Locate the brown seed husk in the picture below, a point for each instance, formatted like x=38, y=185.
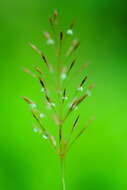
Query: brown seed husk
x=47, y=35
x=26, y=70
x=83, y=81
x=42, y=83
x=35, y=48
x=71, y=66
x=61, y=35
x=75, y=122
x=38, y=70
x=27, y=100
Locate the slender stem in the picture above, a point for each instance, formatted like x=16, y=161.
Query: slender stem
x=63, y=174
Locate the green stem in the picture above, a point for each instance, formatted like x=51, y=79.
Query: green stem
x=63, y=174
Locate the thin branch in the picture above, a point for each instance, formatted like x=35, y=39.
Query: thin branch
x=79, y=134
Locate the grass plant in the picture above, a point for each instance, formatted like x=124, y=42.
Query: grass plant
x=63, y=70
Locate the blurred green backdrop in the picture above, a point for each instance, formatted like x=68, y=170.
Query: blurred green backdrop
x=99, y=159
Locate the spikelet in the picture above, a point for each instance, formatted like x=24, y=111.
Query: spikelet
x=38, y=120
x=75, y=123
x=27, y=100
x=39, y=71
x=73, y=47
x=71, y=66
x=64, y=97
x=42, y=83
x=71, y=26
x=83, y=81
x=55, y=15
x=61, y=35
x=77, y=101
x=35, y=48
x=47, y=35
x=44, y=58
x=26, y=70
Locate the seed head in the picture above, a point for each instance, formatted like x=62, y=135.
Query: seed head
x=59, y=86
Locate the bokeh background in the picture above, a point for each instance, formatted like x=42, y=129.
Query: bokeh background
x=99, y=159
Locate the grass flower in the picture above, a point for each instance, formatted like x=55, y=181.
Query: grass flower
x=70, y=32
x=62, y=71
x=35, y=129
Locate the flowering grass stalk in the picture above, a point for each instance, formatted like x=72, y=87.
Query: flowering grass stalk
x=62, y=72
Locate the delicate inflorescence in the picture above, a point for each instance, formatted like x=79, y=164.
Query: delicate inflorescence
x=62, y=70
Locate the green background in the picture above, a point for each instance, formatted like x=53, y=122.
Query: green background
x=99, y=159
